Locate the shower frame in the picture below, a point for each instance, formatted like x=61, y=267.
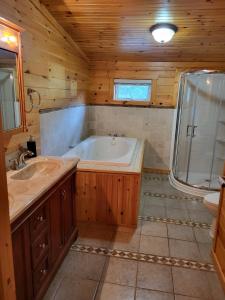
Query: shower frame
x=178, y=128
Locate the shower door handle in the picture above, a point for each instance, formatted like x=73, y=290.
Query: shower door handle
x=193, y=130
x=187, y=132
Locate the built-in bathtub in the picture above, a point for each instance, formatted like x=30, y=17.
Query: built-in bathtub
x=104, y=150
x=108, y=179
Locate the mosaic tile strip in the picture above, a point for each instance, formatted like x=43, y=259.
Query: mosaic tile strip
x=169, y=196
x=149, y=258
x=156, y=177
x=189, y=223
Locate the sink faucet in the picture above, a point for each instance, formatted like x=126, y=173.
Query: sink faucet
x=19, y=162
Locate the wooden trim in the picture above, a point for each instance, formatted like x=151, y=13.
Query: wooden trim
x=218, y=269
x=19, y=63
x=7, y=281
x=156, y=171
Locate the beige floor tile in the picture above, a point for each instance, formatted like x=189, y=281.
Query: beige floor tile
x=143, y=294
x=76, y=288
x=154, y=229
x=216, y=287
x=50, y=294
x=195, y=205
x=200, y=216
x=153, y=210
x=176, y=203
x=180, y=232
x=184, y=249
x=205, y=252
x=191, y=283
x=108, y=291
x=154, y=245
x=83, y=265
x=202, y=235
x=180, y=297
x=156, y=201
x=120, y=271
x=175, y=213
x=126, y=241
x=154, y=277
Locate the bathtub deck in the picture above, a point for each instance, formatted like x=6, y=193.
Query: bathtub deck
x=134, y=167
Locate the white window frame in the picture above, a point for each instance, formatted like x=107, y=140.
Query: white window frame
x=133, y=82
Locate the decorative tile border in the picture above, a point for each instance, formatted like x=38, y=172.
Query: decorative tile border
x=189, y=223
x=149, y=258
x=169, y=196
x=155, y=177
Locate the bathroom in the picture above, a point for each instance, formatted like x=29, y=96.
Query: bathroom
x=112, y=142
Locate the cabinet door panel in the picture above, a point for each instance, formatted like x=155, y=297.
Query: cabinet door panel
x=22, y=263
x=56, y=227
x=67, y=196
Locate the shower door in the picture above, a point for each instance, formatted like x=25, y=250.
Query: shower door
x=199, y=151
x=186, y=112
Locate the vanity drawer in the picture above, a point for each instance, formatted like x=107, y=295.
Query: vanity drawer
x=40, y=274
x=39, y=221
x=40, y=248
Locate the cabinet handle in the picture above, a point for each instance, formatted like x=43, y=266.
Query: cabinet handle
x=63, y=194
x=43, y=271
x=40, y=218
x=43, y=245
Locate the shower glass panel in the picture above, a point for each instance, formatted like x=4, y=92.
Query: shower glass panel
x=200, y=137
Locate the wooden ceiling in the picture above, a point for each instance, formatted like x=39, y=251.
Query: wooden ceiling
x=113, y=29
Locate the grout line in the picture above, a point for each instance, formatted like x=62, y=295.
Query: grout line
x=150, y=258
x=189, y=223
x=100, y=280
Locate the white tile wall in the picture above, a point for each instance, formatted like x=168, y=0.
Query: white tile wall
x=152, y=124
x=62, y=128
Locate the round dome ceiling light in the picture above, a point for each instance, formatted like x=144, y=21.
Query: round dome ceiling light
x=163, y=32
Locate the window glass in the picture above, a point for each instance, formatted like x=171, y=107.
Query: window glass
x=132, y=90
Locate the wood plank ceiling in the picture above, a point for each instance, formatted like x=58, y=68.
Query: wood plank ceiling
x=113, y=29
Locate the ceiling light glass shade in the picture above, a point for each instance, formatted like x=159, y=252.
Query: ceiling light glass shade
x=163, y=33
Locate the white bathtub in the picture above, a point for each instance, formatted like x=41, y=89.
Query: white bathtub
x=104, y=150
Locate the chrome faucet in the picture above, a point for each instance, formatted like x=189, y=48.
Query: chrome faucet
x=19, y=162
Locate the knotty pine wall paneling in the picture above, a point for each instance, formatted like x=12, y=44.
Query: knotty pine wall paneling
x=52, y=62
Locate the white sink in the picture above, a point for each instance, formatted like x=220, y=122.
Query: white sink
x=37, y=169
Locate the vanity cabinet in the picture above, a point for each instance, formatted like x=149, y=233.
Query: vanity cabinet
x=41, y=237
x=219, y=241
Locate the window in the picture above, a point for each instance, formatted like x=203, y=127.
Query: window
x=132, y=90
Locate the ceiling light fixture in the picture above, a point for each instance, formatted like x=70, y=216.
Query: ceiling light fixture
x=163, y=32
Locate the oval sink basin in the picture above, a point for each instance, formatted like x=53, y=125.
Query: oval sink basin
x=37, y=169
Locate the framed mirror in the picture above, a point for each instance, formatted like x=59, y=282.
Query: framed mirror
x=12, y=100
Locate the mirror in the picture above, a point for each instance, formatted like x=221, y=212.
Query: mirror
x=9, y=96
x=11, y=78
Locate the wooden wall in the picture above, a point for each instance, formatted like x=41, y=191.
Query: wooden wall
x=166, y=75
x=52, y=63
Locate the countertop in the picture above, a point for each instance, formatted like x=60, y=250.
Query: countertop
x=23, y=193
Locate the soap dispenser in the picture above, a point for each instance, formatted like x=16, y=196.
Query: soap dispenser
x=31, y=146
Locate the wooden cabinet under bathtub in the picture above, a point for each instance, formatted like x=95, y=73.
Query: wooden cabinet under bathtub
x=41, y=237
x=110, y=198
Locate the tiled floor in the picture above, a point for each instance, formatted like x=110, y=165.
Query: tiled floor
x=166, y=258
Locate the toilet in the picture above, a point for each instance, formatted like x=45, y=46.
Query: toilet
x=211, y=201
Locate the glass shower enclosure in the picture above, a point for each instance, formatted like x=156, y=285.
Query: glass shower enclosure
x=199, y=152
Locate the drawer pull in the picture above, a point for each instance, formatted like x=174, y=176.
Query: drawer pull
x=44, y=271
x=40, y=218
x=63, y=194
x=43, y=245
